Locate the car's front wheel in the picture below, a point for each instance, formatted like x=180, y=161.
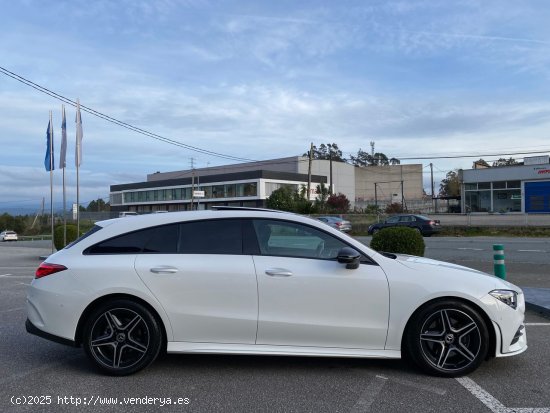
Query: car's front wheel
x=122, y=337
x=447, y=338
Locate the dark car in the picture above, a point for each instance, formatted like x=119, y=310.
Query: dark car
x=424, y=225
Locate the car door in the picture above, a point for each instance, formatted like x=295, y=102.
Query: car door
x=204, y=282
x=307, y=298
x=391, y=222
x=406, y=221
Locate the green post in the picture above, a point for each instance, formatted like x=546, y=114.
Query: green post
x=498, y=256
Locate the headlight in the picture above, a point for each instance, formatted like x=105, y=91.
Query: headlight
x=508, y=297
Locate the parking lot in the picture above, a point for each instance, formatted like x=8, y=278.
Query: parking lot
x=39, y=375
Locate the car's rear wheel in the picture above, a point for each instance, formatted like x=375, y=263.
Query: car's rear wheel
x=419, y=230
x=447, y=338
x=375, y=230
x=122, y=337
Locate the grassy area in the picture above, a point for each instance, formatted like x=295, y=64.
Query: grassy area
x=449, y=231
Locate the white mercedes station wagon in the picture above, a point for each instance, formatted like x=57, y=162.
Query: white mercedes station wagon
x=248, y=281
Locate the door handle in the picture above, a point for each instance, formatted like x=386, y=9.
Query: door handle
x=164, y=270
x=278, y=272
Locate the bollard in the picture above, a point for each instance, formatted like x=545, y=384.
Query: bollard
x=500, y=267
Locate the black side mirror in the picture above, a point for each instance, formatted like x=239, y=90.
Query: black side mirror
x=350, y=257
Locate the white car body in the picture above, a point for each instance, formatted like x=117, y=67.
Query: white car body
x=8, y=236
x=229, y=304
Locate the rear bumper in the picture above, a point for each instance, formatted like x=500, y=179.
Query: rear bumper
x=32, y=329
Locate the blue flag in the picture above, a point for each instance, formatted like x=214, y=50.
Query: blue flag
x=48, y=160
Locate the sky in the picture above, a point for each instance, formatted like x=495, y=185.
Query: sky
x=262, y=79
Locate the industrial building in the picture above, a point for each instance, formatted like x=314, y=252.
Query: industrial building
x=250, y=184
x=523, y=188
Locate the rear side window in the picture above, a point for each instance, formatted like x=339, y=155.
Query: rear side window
x=222, y=236
x=94, y=229
x=197, y=237
x=155, y=240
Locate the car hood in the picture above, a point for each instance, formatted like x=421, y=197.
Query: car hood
x=419, y=263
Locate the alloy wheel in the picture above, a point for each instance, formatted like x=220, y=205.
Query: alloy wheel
x=119, y=338
x=450, y=340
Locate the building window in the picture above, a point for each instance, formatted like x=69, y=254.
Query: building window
x=469, y=187
x=484, y=185
x=478, y=201
x=499, y=185
x=230, y=190
x=250, y=189
x=507, y=200
x=116, y=199
x=513, y=184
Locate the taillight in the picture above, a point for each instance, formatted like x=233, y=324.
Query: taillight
x=47, y=269
x=338, y=224
x=431, y=223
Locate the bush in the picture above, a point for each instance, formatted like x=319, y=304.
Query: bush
x=395, y=208
x=399, y=241
x=338, y=203
x=58, y=235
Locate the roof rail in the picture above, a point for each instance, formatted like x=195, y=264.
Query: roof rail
x=238, y=208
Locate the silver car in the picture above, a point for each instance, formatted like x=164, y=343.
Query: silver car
x=336, y=222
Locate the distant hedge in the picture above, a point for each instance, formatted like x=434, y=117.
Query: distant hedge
x=58, y=236
x=399, y=241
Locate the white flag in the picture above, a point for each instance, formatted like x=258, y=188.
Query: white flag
x=78, y=149
x=63, y=153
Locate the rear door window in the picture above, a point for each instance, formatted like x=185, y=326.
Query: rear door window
x=220, y=236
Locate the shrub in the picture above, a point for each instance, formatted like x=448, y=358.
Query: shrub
x=338, y=203
x=395, y=208
x=399, y=241
x=58, y=235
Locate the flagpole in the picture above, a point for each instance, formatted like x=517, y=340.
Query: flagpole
x=63, y=164
x=77, y=169
x=51, y=176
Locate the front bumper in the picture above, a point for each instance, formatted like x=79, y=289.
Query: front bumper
x=509, y=327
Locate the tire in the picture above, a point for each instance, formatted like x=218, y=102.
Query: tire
x=447, y=338
x=419, y=230
x=375, y=230
x=122, y=337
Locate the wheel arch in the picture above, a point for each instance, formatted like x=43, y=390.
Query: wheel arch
x=100, y=300
x=482, y=313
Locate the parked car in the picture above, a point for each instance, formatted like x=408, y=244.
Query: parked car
x=424, y=225
x=8, y=236
x=336, y=222
x=243, y=281
x=127, y=214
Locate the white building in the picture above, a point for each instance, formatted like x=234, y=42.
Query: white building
x=250, y=184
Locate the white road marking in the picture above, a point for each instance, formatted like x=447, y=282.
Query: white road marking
x=492, y=403
x=537, y=324
x=4, y=275
x=366, y=399
x=471, y=249
x=12, y=309
x=531, y=251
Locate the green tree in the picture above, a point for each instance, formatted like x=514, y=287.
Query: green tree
x=366, y=159
x=98, y=205
x=282, y=199
x=322, y=196
x=326, y=152
x=505, y=162
x=450, y=186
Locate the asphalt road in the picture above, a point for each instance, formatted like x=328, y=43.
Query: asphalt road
x=32, y=366
x=527, y=259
